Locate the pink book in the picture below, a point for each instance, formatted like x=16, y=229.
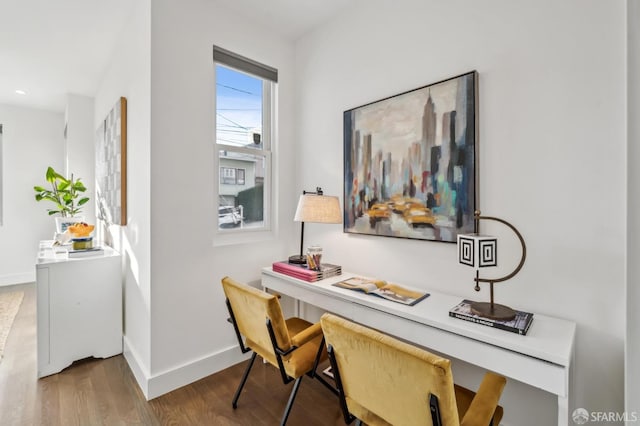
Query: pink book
x=298, y=271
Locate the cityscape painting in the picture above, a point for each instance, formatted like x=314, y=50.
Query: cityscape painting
x=410, y=163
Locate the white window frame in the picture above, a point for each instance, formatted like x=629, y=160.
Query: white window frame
x=227, y=236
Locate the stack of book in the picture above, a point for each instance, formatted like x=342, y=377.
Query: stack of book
x=520, y=324
x=304, y=273
x=87, y=252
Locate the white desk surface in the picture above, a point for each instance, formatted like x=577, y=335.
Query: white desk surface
x=543, y=358
x=549, y=339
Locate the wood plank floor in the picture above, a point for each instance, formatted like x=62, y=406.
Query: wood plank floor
x=104, y=392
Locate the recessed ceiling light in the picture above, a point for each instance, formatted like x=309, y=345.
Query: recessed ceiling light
x=20, y=92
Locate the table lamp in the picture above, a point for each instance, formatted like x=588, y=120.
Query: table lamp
x=481, y=251
x=318, y=208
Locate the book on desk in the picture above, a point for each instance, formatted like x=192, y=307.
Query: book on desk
x=520, y=324
x=303, y=272
x=88, y=252
x=383, y=289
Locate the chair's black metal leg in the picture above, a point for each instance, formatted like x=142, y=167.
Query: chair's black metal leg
x=234, y=404
x=434, y=407
x=317, y=360
x=348, y=417
x=358, y=422
x=315, y=375
x=326, y=384
x=294, y=391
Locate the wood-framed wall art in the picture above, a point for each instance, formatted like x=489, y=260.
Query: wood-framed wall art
x=410, y=162
x=111, y=165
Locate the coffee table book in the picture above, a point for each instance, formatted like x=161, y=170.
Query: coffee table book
x=520, y=324
x=380, y=288
x=88, y=252
x=304, y=273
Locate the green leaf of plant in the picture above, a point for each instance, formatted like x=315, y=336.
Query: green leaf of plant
x=51, y=174
x=60, y=177
x=63, y=193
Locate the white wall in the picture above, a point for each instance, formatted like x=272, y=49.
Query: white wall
x=632, y=354
x=129, y=75
x=33, y=140
x=552, y=158
x=190, y=337
x=80, y=148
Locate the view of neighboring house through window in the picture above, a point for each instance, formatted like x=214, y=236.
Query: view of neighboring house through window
x=244, y=113
x=231, y=176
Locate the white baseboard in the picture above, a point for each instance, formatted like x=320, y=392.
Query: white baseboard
x=12, y=279
x=155, y=385
x=138, y=368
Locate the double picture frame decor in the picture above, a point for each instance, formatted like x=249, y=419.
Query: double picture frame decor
x=410, y=162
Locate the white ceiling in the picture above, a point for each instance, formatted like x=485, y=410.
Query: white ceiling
x=291, y=18
x=49, y=48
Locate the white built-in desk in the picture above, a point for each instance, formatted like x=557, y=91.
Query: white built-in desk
x=543, y=358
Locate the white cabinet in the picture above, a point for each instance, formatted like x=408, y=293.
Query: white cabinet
x=79, y=308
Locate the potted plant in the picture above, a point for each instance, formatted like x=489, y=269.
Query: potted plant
x=64, y=194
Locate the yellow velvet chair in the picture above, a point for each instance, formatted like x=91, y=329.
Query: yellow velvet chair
x=384, y=381
x=294, y=346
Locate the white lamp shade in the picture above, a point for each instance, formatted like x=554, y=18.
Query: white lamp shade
x=318, y=209
x=477, y=251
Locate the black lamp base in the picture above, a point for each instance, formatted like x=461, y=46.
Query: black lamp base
x=298, y=260
x=493, y=311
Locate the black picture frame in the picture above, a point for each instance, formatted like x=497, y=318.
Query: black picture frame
x=410, y=162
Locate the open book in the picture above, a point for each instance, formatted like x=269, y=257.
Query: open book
x=383, y=289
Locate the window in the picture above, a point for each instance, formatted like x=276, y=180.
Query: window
x=227, y=176
x=231, y=176
x=244, y=96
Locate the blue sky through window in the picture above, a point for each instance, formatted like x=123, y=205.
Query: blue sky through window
x=239, y=106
